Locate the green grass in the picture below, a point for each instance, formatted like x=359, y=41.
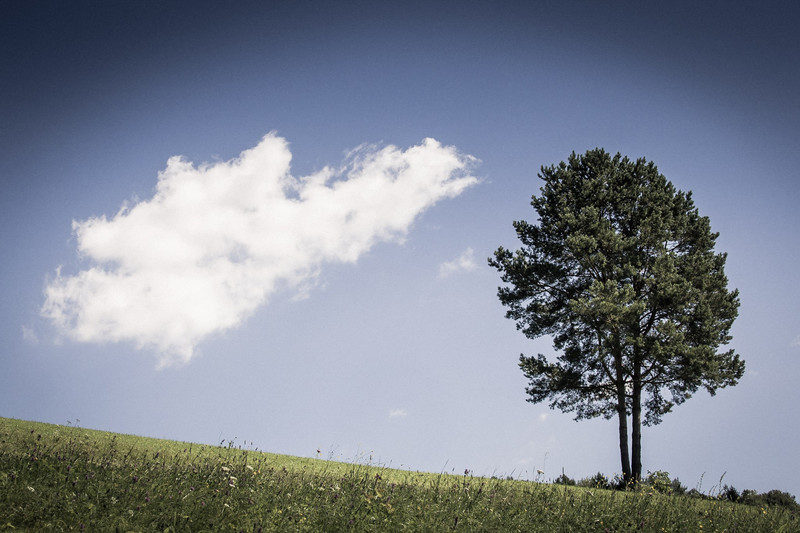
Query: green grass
x=57, y=478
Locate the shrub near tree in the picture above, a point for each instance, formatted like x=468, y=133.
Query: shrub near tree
x=620, y=270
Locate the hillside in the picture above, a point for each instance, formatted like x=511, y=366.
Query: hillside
x=64, y=478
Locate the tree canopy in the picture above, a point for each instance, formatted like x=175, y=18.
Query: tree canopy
x=620, y=270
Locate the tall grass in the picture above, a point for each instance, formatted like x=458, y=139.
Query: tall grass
x=56, y=478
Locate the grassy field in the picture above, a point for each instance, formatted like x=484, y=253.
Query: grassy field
x=57, y=478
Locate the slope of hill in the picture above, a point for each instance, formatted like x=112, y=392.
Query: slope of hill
x=65, y=478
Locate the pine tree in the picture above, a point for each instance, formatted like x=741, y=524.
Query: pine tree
x=621, y=271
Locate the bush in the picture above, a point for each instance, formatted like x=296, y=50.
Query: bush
x=731, y=494
x=694, y=493
x=783, y=499
x=564, y=479
x=659, y=481
x=774, y=497
x=598, y=481
x=750, y=497
x=618, y=483
x=678, y=487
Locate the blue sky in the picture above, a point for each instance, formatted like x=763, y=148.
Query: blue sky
x=377, y=334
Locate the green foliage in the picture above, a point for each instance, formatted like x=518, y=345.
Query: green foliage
x=621, y=271
x=564, y=479
x=730, y=494
x=676, y=487
x=598, y=481
x=55, y=478
x=659, y=481
x=784, y=499
x=774, y=497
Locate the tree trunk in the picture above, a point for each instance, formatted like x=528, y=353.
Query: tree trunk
x=622, y=414
x=636, y=425
x=623, y=442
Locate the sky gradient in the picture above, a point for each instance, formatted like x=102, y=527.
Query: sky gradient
x=390, y=148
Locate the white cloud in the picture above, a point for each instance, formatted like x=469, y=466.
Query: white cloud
x=796, y=342
x=398, y=412
x=465, y=261
x=216, y=240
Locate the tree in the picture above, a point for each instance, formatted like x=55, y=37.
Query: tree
x=621, y=272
